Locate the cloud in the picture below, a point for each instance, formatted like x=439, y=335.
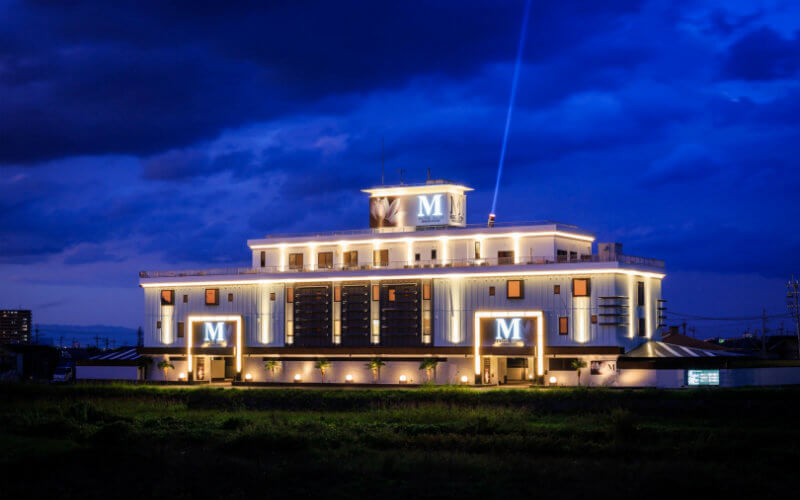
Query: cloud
x=688, y=163
x=762, y=54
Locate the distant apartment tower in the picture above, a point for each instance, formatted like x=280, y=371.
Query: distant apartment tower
x=15, y=326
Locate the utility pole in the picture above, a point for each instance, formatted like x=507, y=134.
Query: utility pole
x=97, y=341
x=793, y=303
x=763, y=333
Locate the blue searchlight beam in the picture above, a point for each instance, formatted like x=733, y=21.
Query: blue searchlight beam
x=511, y=104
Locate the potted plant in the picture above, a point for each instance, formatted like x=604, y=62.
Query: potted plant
x=429, y=365
x=272, y=366
x=578, y=365
x=374, y=365
x=322, y=365
x=164, y=366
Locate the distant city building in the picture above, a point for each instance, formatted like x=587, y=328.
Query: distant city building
x=15, y=326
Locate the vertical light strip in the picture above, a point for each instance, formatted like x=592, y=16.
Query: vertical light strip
x=539, y=315
x=312, y=262
x=166, y=325
x=409, y=252
x=648, y=307
x=632, y=305
x=515, y=237
x=284, y=259
x=580, y=312
x=265, y=316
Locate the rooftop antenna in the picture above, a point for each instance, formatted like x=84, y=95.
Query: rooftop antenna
x=510, y=109
x=401, y=175
x=383, y=170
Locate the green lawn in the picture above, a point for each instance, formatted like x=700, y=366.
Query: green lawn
x=146, y=442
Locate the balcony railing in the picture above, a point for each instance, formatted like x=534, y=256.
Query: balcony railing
x=422, y=264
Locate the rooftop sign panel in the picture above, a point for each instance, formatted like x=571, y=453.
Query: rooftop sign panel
x=430, y=204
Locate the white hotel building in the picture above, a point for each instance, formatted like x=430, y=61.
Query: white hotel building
x=502, y=304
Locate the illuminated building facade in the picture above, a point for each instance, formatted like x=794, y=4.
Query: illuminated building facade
x=15, y=326
x=501, y=304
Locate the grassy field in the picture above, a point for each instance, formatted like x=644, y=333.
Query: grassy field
x=148, y=442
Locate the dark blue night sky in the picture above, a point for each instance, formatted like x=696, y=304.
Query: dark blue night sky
x=140, y=135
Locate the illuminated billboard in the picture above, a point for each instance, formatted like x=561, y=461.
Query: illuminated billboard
x=214, y=333
x=702, y=377
x=512, y=331
x=412, y=210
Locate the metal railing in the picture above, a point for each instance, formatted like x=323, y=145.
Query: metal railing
x=421, y=264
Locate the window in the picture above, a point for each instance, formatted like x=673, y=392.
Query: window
x=514, y=289
x=272, y=296
x=337, y=294
x=325, y=260
x=426, y=291
x=433, y=254
x=477, y=249
x=556, y=289
x=350, y=258
x=505, y=257
x=380, y=258
x=594, y=319
x=392, y=294
x=295, y=261
x=417, y=257
x=181, y=329
x=491, y=291
x=158, y=325
x=290, y=295
x=230, y=297
x=167, y=297
x=573, y=256
x=561, y=255
x=561, y=364
x=263, y=259
x=376, y=292
x=563, y=325
x=642, y=328
x=580, y=287
x=212, y=296
x=640, y=293
x=185, y=299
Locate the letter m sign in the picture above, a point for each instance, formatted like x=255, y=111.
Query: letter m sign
x=214, y=332
x=508, y=329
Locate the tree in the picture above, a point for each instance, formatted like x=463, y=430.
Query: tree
x=429, y=365
x=374, y=365
x=164, y=366
x=578, y=365
x=322, y=365
x=272, y=366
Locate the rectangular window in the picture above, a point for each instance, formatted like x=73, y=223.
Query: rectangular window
x=181, y=329
x=158, y=325
x=594, y=319
x=212, y=296
x=380, y=258
x=295, y=261
x=433, y=254
x=556, y=289
x=477, y=249
x=290, y=295
x=640, y=293
x=561, y=255
x=185, y=299
x=325, y=260
x=376, y=292
x=580, y=287
x=642, y=328
x=263, y=259
x=272, y=296
x=573, y=256
x=337, y=294
x=417, y=257
x=392, y=294
x=563, y=325
x=491, y=291
x=167, y=297
x=426, y=291
x=514, y=289
x=505, y=257
x=350, y=258
x=230, y=297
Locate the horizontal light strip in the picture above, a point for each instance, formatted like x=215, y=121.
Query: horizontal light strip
x=477, y=236
x=432, y=188
x=629, y=272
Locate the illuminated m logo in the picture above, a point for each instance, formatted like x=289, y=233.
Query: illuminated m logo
x=214, y=333
x=430, y=207
x=508, y=329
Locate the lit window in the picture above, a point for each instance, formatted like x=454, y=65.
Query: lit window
x=392, y=294
x=272, y=296
x=563, y=325
x=290, y=295
x=580, y=287
x=594, y=319
x=230, y=297
x=212, y=296
x=167, y=297
x=295, y=261
x=426, y=291
x=556, y=289
x=337, y=294
x=350, y=258
x=514, y=289
x=491, y=291
x=477, y=249
x=380, y=258
x=376, y=292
